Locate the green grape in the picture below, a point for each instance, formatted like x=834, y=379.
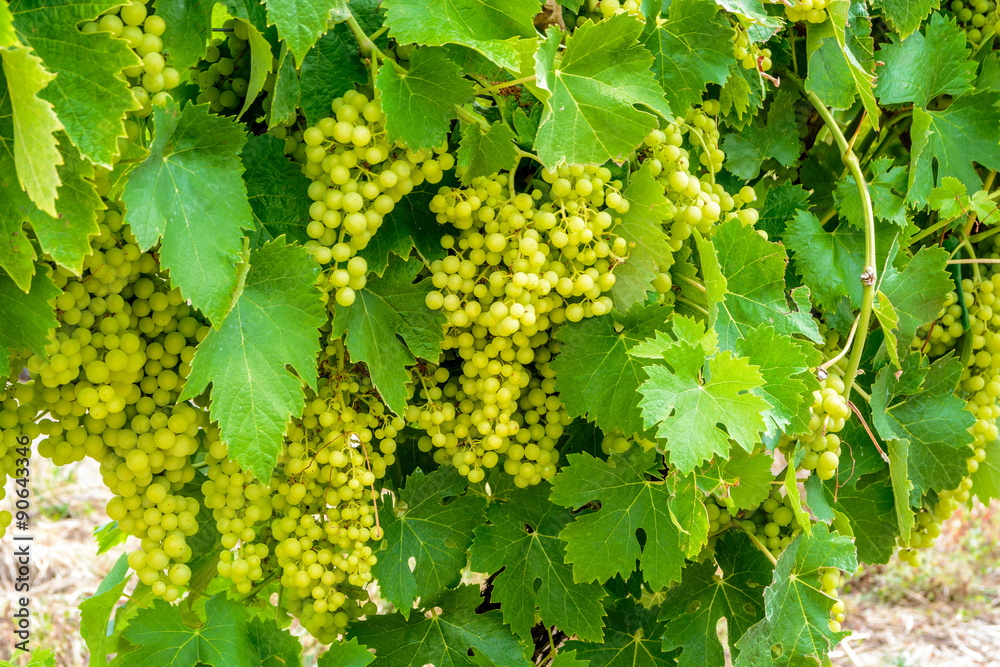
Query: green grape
x=358, y=178
x=812, y=11
x=980, y=19
x=223, y=75
x=747, y=53
x=523, y=263
x=828, y=414
x=135, y=23
x=314, y=523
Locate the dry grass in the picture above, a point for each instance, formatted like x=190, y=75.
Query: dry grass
x=944, y=614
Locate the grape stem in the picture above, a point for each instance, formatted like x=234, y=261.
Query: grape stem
x=869, y=276
x=264, y=582
x=366, y=44
x=847, y=346
x=552, y=645
x=760, y=545
x=694, y=283
x=855, y=410
x=973, y=261
x=693, y=305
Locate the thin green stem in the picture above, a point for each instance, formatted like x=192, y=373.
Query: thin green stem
x=694, y=283
x=530, y=156
x=976, y=238
x=828, y=216
x=704, y=147
x=469, y=117
x=700, y=309
x=366, y=44
x=869, y=276
x=930, y=230
x=975, y=262
x=760, y=545
x=505, y=84
x=884, y=137
x=552, y=645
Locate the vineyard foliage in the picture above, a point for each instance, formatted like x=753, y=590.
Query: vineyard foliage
x=494, y=332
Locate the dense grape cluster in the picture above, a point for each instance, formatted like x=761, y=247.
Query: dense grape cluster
x=224, y=73
x=684, y=157
x=312, y=526
x=611, y=7
x=979, y=18
x=813, y=11
x=136, y=23
x=749, y=54
x=828, y=414
x=774, y=522
x=115, y=368
x=523, y=263
x=830, y=580
x=358, y=178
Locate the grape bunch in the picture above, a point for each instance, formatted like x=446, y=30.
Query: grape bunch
x=17, y=426
x=979, y=18
x=830, y=580
x=110, y=386
x=828, y=414
x=223, y=75
x=812, y=11
x=136, y=23
x=749, y=54
x=609, y=8
x=358, y=178
x=719, y=516
x=774, y=523
x=522, y=263
x=313, y=524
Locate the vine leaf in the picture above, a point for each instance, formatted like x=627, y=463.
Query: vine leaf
x=687, y=410
x=796, y=608
x=36, y=154
x=7, y=36
x=96, y=610
x=841, y=63
x=830, y=262
x=905, y=16
x=522, y=539
x=950, y=143
x=784, y=364
x=276, y=190
x=443, y=638
x=434, y=531
x=286, y=94
x=870, y=506
x=918, y=292
x=486, y=151
x=300, y=23
x=923, y=67
x=25, y=318
x=420, y=103
x=933, y=419
x=692, y=48
x=490, y=27
x=885, y=182
x=595, y=376
x=272, y=646
x=591, y=116
x=162, y=637
x=190, y=192
x=388, y=307
x=986, y=479
x=649, y=250
x=329, y=69
x=273, y=323
x=189, y=24
x=346, y=654
x=632, y=639
x=261, y=64
x=755, y=277
x=743, y=481
x=406, y=227
x=568, y=659
x=747, y=150
x=736, y=595
x=687, y=509
x=603, y=543
x=90, y=95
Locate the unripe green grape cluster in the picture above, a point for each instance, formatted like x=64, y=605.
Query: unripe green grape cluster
x=695, y=201
x=136, y=24
x=774, y=523
x=828, y=414
x=358, y=178
x=611, y=7
x=523, y=263
x=749, y=54
x=813, y=11
x=979, y=18
x=830, y=580
x=114, y=370
x=719, y=516
x=313, y=524
x=18, y=412
x=223, y=75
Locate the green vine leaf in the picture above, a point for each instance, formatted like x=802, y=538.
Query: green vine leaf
x=276, y=190
x=595, y=376
x=27, y=317
x=735, y=596
x=300, y=23
x=603, y=543
x=692, y=48
x=522, y=540
x=687, y=408
x=328, y=70
x=96, y=610
x=190, y=193
x=189, y=24
x=346, y=654
x=444, y=638
x=435, y=530
x=273, y=323
x=603, y=75
x=631, y=640
x=486, y=151
x=905, y=16
x=391, y=306
x=747, y=150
